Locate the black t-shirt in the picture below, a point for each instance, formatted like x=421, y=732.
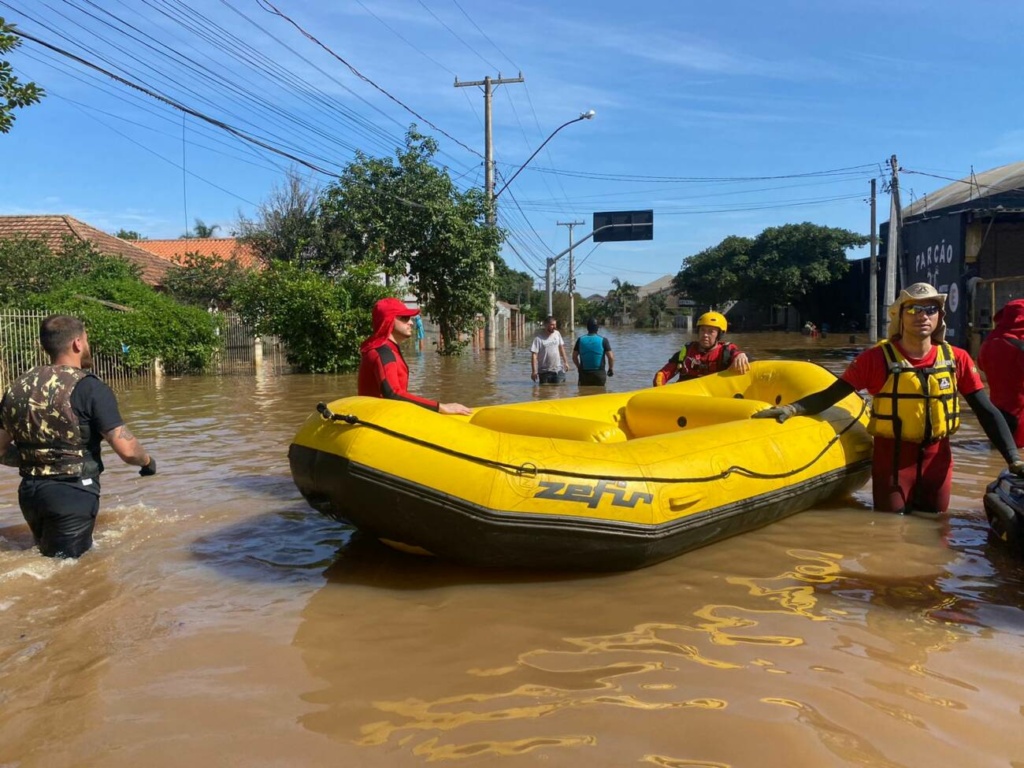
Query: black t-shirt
x=95, y=405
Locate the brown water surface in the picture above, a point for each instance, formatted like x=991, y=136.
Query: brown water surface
x=220, y=621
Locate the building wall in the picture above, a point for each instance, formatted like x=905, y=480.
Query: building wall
x=1002, y=251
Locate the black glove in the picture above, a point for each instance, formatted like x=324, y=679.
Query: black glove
x=780, y=414
x=149, y=469
x=1017, y=468
x=611, y=372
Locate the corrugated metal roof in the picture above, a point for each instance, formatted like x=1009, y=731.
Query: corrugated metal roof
x=976, y=187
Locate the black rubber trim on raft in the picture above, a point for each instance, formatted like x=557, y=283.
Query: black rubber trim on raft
x=394, y=508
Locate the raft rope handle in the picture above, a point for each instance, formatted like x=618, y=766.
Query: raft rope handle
x=532, y=470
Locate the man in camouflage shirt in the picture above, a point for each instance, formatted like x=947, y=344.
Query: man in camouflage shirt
x=52, y=421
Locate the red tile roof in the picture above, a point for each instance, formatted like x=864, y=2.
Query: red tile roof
x=226, y=248
x=51, y=230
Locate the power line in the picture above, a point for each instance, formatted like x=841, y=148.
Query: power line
x=363, y=77
x=177, y=105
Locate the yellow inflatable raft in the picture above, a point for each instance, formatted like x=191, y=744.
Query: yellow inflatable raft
x=602, y=482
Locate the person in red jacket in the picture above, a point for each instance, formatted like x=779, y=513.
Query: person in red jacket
x=383, y=371
x=1001, y=357
x=708, y=354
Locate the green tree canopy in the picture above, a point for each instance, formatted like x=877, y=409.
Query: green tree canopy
x=782, y=265
x=511, y=285
x=204, y=281
x=321, y=320
x=125, y=316
x=406, y=217
x=128, y=234
x=621, y=300
x=716, y=274
x=13, y=93
x=788, y=263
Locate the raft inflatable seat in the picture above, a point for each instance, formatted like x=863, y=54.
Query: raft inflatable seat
x=661, y=413
x=555, y=426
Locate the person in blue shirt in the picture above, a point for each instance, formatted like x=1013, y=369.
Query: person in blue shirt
x=589, y=354
x=418, y=332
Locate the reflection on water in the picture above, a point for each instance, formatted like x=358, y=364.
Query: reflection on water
x=219, y=615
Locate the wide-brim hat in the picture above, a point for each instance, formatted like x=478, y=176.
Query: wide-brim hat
x=909, y=295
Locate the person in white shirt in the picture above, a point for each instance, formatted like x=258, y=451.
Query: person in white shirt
x=548, y=361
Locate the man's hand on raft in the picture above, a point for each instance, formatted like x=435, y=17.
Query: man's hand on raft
x=454, y=409
x=779, y=413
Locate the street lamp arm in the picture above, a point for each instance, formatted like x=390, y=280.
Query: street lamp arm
x=588, y=115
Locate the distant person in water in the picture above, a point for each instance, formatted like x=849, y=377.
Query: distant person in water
x=548, y=362
x=383, y=371
x=708, y=354
x=589, y=354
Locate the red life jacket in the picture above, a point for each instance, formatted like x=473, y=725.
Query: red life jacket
x=693, y=363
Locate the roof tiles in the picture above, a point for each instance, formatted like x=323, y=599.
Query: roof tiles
x=226, y=248
x=52, y=230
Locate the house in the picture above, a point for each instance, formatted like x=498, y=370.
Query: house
x=52, y=229
x=224, y=248
x=679, y=309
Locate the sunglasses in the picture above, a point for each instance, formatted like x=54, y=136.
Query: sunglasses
x=926, y=309
x=404, y=319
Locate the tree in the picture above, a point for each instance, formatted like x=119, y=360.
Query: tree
x=510, y=285
x=621, y=300
x=128, y=234
x=320, y=320
x=28, y=266
x=286, y=223
x=649, y=310
x=200, y=230
x=204, y=281
x=13, y=94
x=790, y=262
x=406, y=217
x=715, y=275
x=78, y=280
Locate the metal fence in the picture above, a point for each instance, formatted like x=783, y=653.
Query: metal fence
x=241, y=350
x=240, y=353
x=20, y=351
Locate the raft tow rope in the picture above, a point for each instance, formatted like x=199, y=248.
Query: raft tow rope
x=532, y=470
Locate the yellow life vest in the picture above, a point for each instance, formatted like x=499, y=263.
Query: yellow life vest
x=917, y=405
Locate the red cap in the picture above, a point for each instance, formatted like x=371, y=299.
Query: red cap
x=384, y=313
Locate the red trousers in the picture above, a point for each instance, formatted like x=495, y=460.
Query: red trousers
x=922, y=478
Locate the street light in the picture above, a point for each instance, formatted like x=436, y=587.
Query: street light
x=588, y=115
x=493, y=199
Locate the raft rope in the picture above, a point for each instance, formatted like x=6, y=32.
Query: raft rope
x=531, y=470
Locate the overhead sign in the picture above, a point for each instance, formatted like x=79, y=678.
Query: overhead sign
x=619, y=226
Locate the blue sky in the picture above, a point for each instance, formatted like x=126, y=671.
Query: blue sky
x=724, y=118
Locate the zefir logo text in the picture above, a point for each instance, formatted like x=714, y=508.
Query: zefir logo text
x=592, y=494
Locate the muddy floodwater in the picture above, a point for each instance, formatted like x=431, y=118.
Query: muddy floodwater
x=221, y=621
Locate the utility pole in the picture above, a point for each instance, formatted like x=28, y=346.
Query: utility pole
x=572, y=277
x=892, y=250
x=488, y=84
x=873, y=275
